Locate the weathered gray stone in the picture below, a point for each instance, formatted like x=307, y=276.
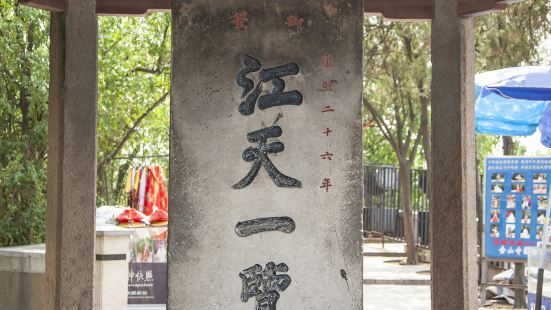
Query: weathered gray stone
x=209, y=135
x=453, y=216
x=70, y=218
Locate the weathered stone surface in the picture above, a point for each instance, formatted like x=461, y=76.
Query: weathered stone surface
x=70, y=218
x=453, y=215
x=209, y=137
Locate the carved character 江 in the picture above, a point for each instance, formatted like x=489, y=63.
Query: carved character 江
x=252, y=93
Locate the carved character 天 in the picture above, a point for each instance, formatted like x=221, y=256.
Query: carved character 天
x=259, y=157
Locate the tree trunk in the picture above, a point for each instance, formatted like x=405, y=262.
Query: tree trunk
x=479, y=203
x=405, y=202
x=520, y=295
x=479, y=208
x=508, y=145
x=120, y=183
x=424, y=130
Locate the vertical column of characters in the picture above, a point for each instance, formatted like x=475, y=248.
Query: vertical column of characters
x=266, y=91
x=328, y=88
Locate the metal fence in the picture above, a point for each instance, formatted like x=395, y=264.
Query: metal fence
x=382, y=212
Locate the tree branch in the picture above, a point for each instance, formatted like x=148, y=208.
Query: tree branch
x=130, y=131
x=381, y=124
x=413, y=152
x=147, y=70
x=399, y=121
x=159, y=68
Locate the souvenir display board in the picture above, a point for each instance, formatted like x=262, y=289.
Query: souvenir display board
x=515, y=204
x=147, y=267
x=545, y=302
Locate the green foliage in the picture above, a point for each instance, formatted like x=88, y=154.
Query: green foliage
x=23, y=118
x=377, y=151
x=133, y=114
x=133, y=84
x=485, y=145
x=400, y=52
x=396, y=80
x=509, y=39
x=134, y=81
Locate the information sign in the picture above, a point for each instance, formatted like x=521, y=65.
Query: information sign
x=515, y=204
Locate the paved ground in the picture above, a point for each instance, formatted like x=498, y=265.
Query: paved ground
x=400, y=290
x=397, y=248
x=387, y=270
x=389, y=285
x=389, y=297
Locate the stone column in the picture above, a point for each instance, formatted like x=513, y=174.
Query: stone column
x=453, y=212
x=70, y=215
x=111, y=274
x=265, y=176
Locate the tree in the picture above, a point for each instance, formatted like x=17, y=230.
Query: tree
x=512, y=37
x=398, y=66
x=133, y=118
x=509, y=39
x=393, y=96
x=376, y=150
x=133, y=85
x=23, y=122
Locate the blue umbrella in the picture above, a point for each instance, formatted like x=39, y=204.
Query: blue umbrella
x=514, y=102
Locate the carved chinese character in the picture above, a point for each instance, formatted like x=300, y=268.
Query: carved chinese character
x=326, y=183
x=327, y=60
x=295, y=21
x=265, y=224
x=277, y=97
x=327, y=155
x=328, y=86
x=259, y=157
x=265, y=284
x=239, y=20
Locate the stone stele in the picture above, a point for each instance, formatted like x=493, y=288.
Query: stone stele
x=303, y=134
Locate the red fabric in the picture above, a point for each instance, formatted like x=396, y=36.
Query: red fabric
x=159, y=216
x=155, y=190
x=130, y=215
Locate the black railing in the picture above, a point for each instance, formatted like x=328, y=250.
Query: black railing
x=382, y=212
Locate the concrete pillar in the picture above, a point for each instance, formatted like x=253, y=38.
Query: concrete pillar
x=70, y=215
x=111, y=273
x=453, y=213
x=243, y=235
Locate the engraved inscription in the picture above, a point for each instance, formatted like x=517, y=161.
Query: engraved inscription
x=251, y=227
x=264, y=285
